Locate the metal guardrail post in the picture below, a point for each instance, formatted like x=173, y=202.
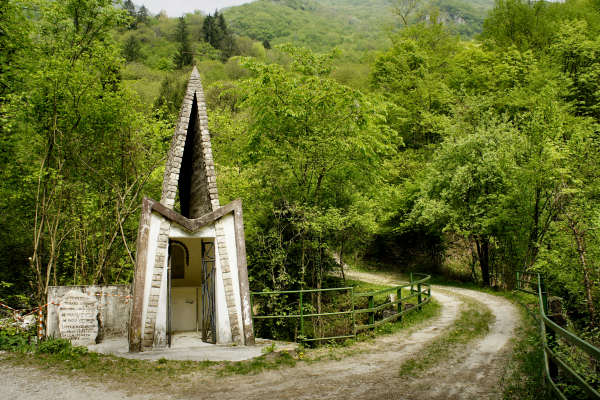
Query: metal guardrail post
x=353, y=316
x=399, y=305
x=411, y=285
x=301, y=317
x=251, y=306
x=518, y=280
x=371, y=310
x=544, y=294
x=552, y=361
x=371, y=313
x=550, y=335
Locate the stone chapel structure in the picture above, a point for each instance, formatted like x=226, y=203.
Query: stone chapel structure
x=191, y=272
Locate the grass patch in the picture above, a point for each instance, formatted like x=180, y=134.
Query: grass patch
x=383, y=299
x=377, y=267
x=334, y=325
x=273, y=360
x=366, y=287
x=523, y=377
x=473, y=322
x=429, y=310
x=61, y=358
x=80, y=362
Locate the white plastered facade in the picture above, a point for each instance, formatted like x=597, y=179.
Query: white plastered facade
x=223, y=324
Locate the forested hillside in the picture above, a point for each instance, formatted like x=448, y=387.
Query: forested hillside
x=352, y=25
x=410, y=146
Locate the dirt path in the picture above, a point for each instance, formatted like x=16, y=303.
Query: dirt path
x=373, y=373
x=18, y=383
x=477, y=372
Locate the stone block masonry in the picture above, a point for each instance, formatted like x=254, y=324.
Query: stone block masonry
x=228, y=283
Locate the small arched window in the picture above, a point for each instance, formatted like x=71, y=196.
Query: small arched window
x=179, y=257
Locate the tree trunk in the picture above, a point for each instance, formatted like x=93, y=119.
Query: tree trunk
x=483, y=252
x=579, y=237
x=342, y=262
x=473, y=263
x=533, y=248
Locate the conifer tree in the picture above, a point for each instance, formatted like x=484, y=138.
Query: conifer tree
x=129, y=6
x=210, y=30
x=142, y=15
x=216, y=33
x=184, y=51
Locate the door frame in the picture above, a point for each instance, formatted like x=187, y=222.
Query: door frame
x=207, y=291
x=169, y=287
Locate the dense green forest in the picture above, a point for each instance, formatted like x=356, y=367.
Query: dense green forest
x=352, y=25
x=451, y=137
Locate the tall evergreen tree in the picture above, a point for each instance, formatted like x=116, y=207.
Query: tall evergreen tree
x=142, y=15
x=130, y=8
x=184, y=50
x=227, y=42
x=210, y=31
x=216, y=33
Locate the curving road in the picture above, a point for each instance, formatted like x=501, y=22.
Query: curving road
x=371, y=373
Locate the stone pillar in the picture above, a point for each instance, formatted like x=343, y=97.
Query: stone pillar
x=160, y=263
x=228, y=283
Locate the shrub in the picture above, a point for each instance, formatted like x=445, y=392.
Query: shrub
x=15, y=338
x=55, y=346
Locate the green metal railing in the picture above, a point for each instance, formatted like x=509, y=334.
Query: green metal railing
x=526, y=282
x=418, y=289
x=302, y=308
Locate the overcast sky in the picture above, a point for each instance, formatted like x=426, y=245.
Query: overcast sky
x=176, y=8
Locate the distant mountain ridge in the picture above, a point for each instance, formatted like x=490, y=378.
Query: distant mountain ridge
x=353, y=24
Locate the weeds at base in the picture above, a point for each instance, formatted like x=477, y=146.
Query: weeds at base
x=273, y=360
x=523, y=378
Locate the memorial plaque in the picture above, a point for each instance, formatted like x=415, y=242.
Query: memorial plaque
x=77, y=318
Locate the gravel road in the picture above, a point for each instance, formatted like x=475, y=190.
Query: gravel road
x=372, y=373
